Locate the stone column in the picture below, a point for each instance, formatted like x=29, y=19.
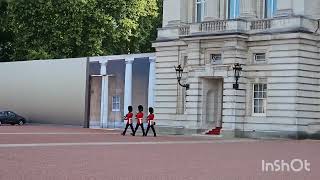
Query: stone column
x=104, y=96
x=284, y=8
x=171, y=12
x=248, y=9
x=175, y=12
x=152, y=73
x=128, y=85
x=213, y=10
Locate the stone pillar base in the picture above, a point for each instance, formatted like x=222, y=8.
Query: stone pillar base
x=284, y=13
x=174, y=23
x=248, y=16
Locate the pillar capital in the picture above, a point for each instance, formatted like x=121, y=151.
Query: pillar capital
x=103, y=68
x=152, y=59
x=129, y=60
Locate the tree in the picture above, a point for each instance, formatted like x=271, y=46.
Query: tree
x=43, y=29
x=6, y=36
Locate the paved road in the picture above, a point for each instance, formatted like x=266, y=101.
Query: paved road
x=66, y=153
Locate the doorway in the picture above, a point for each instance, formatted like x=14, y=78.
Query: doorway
x=212, y=103
x=95, y=101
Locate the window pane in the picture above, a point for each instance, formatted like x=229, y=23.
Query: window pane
x=264, y=94
x=259, y=56
x=237, y=8
x=199, y=12
x=115, y=103
x=256, y=106
x=204, y=11
x=231, y=9
x=260, y=94
x=270, y=8
x=259, y=98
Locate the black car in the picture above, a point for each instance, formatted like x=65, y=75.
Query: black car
x=9, y=117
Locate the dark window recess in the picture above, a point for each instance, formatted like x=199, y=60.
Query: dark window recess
x=260, y=57
x=215, y=58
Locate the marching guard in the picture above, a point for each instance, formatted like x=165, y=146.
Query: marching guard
x=151, y=122
x=128, y=119
x=139, y=117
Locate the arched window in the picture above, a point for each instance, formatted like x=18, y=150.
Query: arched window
x=200, y=10
x=234, y=9
x=270, y=8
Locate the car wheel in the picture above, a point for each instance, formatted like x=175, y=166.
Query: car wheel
x=21, y=122
x=12, y=124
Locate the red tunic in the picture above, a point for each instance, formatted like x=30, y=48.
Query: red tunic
x=139, y=117
x=129, y=117
x=150, y=118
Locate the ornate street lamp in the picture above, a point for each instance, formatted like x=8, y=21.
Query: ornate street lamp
x=179, y=72
x=237, y=70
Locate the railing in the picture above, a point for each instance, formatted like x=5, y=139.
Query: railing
x=212, y=26
x=260, y=24
x=184, y=30
x=237, y=25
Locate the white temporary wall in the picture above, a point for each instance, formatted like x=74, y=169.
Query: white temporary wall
x=46, y=91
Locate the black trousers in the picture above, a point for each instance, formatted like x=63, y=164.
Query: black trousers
x=137, y=126
x=152, y=127
x=125, y=129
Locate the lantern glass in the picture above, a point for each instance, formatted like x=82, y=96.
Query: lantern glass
x=237, y=70
x=179, y=71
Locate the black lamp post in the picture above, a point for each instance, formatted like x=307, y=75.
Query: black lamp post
x=179, y=72
x=237, y=70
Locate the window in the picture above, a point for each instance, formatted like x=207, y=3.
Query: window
x=215, y=58
x=259, y=57
x=200, y=10
x=259, y=99
x=115, y=103
x=234, y=9
x=270, y=8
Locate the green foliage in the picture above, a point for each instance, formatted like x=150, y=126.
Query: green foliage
x=6, y=35
x=42, y=29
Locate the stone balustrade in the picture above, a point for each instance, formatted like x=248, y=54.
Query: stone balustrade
x=184, y=30
x=212, y=26
x=260, y=24
x=238, y=25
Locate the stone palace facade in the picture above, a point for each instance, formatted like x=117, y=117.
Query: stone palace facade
x=277, y=44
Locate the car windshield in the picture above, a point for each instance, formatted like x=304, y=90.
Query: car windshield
x=11, y=113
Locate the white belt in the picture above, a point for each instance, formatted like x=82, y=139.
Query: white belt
x=151, y=122
x=129, y=121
